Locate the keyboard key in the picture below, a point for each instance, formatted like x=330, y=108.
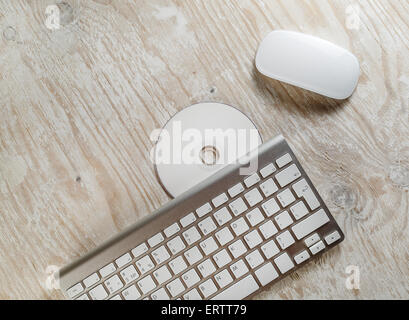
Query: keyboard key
x=222, y=258
x=268, y=229
x=74, y=290
x=301, y=257
x=253, y=239
x=171, y=230
x=270, y=207
x=208, y=288
x=193, y=255
x=238, y=206
x=162, y=274
x=286, y=198
x=235, y=190
x=253, y=197
x=107, y=270
x=270, y=249
x=192, y=295
x=283, y=220
x=123, y=260
x=239, y=226
x=219, y=200
x=222, y=216
x=191, y=236
x=116, y=297
x=91, y=280
x=237, y=249
x=145, y=264
x=176, y=245
x=239, y=290
x=206, y=268
x=156, y=239
x=284, y=263
x=113, y=284
x=239, y=268
x=146, y=284
x=266, y=274
x=310, y=224
x=223, y=278
x=160, y=255
x=160, y=294
x=204, y=209
x=209, y=245
x=255, y=217
x=83, y=297
x=312, y=239
x=224, y=236
x=302, y=189
x=285, y=240
x=175, y=287
x=207, y=226
x=317, y=247
x=98, y=293
x=188, y=220
x=190, y=278
x=139, y=250
x=254, y=259
x=129, y=274
x=252, y=180
x=299, y=210
x=268, y=170
x=332, y=237
x=288, y=175
x=284, y=160
x=178, y=265
x=268, y=188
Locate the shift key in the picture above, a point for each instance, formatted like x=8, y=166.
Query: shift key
x=239, y=290
x=312, y=223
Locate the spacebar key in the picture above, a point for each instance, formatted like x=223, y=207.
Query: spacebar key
x=239, y=290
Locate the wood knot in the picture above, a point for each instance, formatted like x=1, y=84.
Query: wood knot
x=66, y=13
x=9, y=33
x=343, y=197
x=399, y=175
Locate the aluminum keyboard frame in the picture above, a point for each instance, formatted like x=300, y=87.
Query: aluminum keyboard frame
x=177, y=208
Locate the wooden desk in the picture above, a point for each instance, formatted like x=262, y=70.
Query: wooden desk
x=78, y=104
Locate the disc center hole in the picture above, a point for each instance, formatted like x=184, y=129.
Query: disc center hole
x=209, y=155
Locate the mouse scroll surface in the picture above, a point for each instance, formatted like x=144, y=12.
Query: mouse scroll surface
x=309, y=63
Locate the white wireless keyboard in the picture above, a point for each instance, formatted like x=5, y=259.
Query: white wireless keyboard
x=226, y=238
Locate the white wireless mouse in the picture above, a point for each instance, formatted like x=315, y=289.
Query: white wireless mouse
x=309, y=63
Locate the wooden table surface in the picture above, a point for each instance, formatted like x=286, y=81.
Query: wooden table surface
x=78, y=105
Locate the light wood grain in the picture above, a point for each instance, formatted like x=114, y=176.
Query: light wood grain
x=78, y=104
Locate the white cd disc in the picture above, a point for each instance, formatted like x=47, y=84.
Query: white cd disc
x=200, y=140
